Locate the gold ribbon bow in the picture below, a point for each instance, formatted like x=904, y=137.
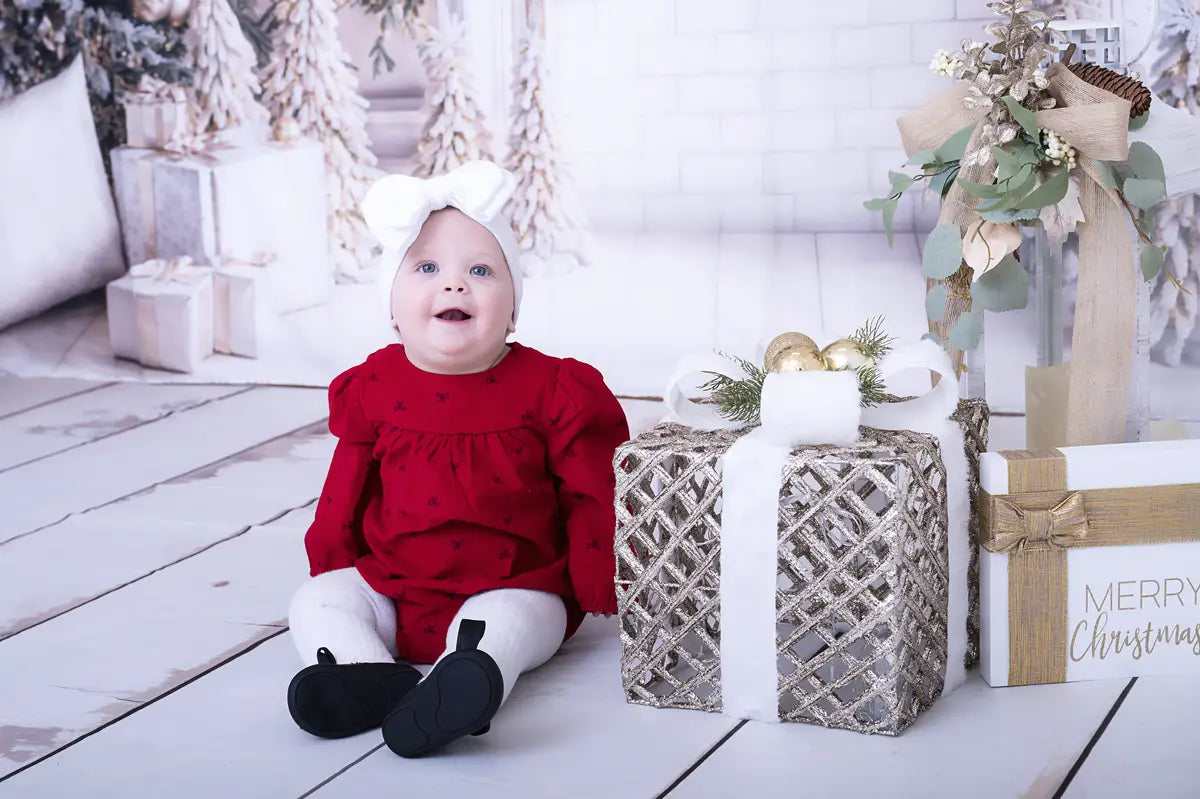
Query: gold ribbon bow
x=1096, y=122
x=1018, y=529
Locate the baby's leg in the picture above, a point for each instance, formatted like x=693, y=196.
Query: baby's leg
x=495, y=637
x=338, y=611
x=346, y=632
x=523, y=629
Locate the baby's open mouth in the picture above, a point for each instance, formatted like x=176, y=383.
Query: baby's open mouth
x=454, y=315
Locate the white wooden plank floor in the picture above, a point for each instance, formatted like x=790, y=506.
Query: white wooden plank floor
x=152, y=536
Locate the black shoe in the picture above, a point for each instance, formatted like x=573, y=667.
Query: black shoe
x=459, y=697
x=335, y=701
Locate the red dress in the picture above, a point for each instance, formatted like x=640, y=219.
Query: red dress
x=444, y=486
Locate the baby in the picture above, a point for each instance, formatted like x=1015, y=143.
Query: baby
x=467, y=517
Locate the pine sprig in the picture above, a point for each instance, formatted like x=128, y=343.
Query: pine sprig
x=875, y=343
x=738, y=399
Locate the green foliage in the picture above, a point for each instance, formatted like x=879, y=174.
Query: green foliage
x=1004, y=287
x=943, y=252
x=389, y=20
x=935, y=302
x=966, y=332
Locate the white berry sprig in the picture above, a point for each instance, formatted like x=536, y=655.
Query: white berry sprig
x=1058, y=150
x=944, y=64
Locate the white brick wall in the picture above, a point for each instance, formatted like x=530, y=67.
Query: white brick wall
x=744, y=115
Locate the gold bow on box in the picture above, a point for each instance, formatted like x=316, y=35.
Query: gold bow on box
x=1037, y=524
x=1019, y=529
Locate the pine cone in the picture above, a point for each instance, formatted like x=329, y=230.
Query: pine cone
x=1126, y=88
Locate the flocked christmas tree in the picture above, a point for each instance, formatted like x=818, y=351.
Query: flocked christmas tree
x=455, y=131
x=223, y=80
x=1173, y=306
x=308, y=81
x=545, y=217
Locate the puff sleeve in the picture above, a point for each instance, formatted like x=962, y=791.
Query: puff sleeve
x=334, y=540
x=586, y=424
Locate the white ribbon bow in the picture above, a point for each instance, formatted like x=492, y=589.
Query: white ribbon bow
x=396, y=206
x=810, y=408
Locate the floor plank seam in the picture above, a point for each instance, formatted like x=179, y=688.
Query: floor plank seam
x=166, y=480
x=679, y=780
x=132, y=427
x=44, y=403
x=1087, y=750
x=339, y=773
x=141, y=706
x=176, y=562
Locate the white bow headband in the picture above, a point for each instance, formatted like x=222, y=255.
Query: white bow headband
x=396, y=207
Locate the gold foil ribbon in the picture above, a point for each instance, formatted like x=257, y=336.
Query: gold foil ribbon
x=1039, y=521
x=1096, y=122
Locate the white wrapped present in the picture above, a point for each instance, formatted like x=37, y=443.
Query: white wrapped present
x=160, y=314
x=155, y=113
x=226, y=201
x=241, y=303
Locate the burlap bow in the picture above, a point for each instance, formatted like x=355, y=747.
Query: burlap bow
x=1096, y=122
x=396, y=206
x=1017, y=529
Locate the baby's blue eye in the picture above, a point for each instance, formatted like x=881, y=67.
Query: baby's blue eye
x=480, y=271
x=427, y=268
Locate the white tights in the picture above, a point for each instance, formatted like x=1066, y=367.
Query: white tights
x=339, y=611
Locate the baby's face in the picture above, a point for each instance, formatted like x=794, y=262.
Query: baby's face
x=453, y=296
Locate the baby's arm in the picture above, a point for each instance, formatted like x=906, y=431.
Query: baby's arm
x=334, y=541
x=586, y=426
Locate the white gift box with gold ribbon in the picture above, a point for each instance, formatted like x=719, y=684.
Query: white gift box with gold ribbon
x=1090, y=562
x=154, y=113
x=160, y=314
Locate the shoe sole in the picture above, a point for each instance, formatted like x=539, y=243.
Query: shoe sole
x=459, y=697
x=329, y=702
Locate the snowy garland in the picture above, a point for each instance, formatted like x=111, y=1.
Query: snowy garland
x=38, y=40
x=545, y=217
x=455, y=131
x=309, y=82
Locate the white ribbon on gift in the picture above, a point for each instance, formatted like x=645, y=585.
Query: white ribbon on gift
x=799, y=409
x=149, y=280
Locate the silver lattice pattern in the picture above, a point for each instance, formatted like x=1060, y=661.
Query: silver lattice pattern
x=973, y=416
x=862, y=584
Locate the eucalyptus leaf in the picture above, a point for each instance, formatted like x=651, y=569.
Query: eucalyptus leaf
x=1016, y=191
x=954, y=147
x=1004, y=287
x=1108, y=176
x=1137, y=123
x=1049, y=193
x=1015, y=157
x=922, y=158
x=940, y=183
x=900, y=181
x=985, y=191
x=889, y=211
x=949, y=179
x=1152, y=261
x=966, y=332
x=935, y=302
x=935, y=338
x=1145, y=163
x=1023, y=116
x=877, y=203
x=943, y=252
x=1144, y=193
x=1009, y=215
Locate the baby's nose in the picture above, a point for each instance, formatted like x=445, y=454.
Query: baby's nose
x=453, y=288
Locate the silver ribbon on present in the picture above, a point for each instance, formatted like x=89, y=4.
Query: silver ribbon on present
x=802, y=409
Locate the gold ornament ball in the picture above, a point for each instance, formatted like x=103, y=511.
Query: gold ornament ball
x=286, y=130
x=796, y=359
x=845, y=354
x=788, y=341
